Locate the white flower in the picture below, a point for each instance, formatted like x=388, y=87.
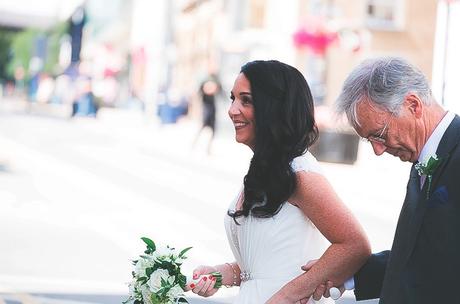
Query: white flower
x=141, y=266
x=146, y=296
x=163, y=253
x=155, y=279
x=132, y=289
x=175, y=292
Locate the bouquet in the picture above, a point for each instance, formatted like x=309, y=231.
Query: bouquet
x=157, y=277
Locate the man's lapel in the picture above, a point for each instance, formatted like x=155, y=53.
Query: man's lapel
x=411, y=209
x=448, y=143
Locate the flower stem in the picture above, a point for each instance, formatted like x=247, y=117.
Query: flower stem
x=218, y=277
x=429, y=186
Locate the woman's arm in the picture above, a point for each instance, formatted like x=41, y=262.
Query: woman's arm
x=349, y=247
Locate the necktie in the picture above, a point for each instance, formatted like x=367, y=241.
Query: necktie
x=422, y=180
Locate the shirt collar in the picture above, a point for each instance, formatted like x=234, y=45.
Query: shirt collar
x=430, y=147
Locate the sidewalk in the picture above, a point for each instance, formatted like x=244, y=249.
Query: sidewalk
x=18, y=105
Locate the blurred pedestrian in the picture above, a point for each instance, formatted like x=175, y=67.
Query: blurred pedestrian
x=45, y=88
x=84, y=103
x=209, y=89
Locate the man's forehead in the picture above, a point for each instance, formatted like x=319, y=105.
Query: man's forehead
x=368, y=110
x=368, y=116
x=361, y=114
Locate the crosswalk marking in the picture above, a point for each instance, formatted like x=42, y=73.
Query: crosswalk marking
x=23, y=298
x=26, y=298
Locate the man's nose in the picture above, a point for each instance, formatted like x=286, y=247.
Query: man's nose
x=378, y=148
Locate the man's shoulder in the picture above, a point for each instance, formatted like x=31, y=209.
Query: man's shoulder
x=455, y=124
x=450, y=142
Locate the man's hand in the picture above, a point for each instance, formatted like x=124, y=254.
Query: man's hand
x=280, y=298
x=323, y=289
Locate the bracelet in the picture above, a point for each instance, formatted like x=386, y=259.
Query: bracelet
x=235, y=277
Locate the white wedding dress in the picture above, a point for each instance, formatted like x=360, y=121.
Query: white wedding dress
x=270, y=251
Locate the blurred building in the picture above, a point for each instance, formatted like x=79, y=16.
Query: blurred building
x=125, y=43
x=31, y=32
x=335, y=35
x=364, y=29
x=21, y=14
x=105, y=49
x=142, y=52
x=325, y=39
x=446, y=60
x=218, y=36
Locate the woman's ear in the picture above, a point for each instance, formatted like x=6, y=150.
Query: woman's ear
x=414, y=104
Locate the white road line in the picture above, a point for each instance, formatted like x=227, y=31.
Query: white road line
x=25, y=298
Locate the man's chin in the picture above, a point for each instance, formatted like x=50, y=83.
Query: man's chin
x=406, y=158
x=402, y=156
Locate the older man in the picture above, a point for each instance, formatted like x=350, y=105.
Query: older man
x=389, y=103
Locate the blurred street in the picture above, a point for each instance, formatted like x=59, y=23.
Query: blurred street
x=78, y=194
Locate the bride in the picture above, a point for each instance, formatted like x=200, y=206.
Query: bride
x=286, y=213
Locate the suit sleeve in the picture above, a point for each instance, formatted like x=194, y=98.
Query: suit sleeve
x=369, y=279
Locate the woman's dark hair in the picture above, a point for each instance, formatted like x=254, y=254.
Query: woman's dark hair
x=284, y=129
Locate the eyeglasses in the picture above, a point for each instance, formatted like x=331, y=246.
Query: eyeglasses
x=379, y=139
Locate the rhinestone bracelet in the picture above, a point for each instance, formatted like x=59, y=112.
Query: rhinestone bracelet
x=235, y=277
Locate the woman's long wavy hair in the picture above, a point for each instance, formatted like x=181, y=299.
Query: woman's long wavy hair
x=284, y=129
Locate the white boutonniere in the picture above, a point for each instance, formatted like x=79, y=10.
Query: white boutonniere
x=427, y=169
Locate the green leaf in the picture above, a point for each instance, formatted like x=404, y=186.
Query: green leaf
x=182, y=280
x=143, y=280
x=164, y=283
x=150, y=244
x=149, y=271
x=184, y=251
x=155, y=299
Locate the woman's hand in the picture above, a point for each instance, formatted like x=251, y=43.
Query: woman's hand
x=205, y=286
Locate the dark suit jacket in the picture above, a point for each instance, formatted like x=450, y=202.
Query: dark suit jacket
x=424, y=263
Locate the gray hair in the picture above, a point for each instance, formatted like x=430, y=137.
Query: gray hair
x=384, y=82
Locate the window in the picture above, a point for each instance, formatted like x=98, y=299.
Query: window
x=257, y=13
x=385, y=14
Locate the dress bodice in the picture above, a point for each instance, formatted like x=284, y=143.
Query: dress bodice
x=270, y=251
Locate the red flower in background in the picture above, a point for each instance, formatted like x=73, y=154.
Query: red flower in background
x=318, y=41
